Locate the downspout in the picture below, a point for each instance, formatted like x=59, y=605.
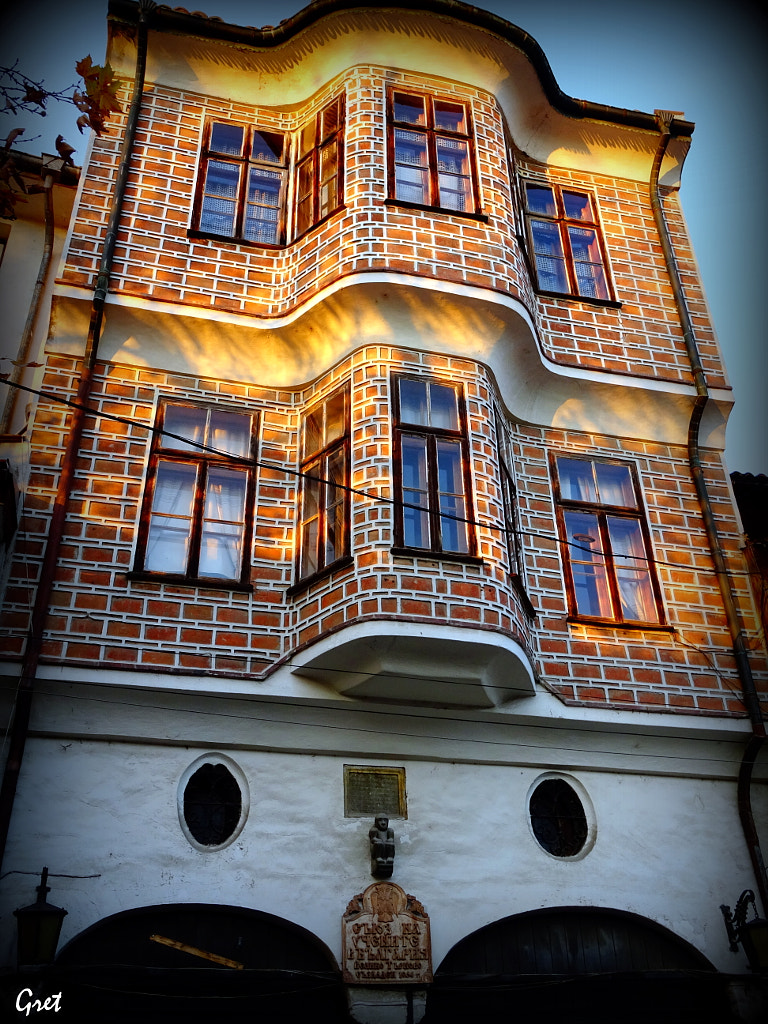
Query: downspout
x=34, y=306
x=31, y=657
x=749, y=691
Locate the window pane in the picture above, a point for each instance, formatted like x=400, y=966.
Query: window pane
x=331, y=119
x=451, y=492
x=217, y=216
x=409, y=109
x=304, y=215
x=590, y=582
x=225, y=496
x=414, y=467
x=170, y=524
x=222, y=536
x=229, y=432
x=454, y=193
x=222, y=179
x=541, y=200
x=453, y=177
x=334, y=517
x=557, y=818
x=261, y=225
x=452, y=156
x=212, y=804
x=577, y=206
x=450, y=117
x=444, y=410
x=329, y=161
x=335, y=420
x=550, y=260
x=413, y=402
x=267, y=147
x=614, y=485
x=631, y=566
x=328, y=179
x=186, y=422
x=328, y=198
x=307, y=138
x=591, y=281
x=309, y=563
x=584, y=244
x=411, y=176
x=264, y=187
x=313, y=431
x=311, y=491
x=227, y=138
x=576, y=480
x=449, y=472
x=306, y=177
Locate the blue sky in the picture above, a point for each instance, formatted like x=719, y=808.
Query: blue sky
x=706, y=59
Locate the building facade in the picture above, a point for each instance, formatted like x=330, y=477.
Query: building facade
x=393, y=486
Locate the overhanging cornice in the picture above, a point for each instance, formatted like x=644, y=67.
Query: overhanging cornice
x=179, y=20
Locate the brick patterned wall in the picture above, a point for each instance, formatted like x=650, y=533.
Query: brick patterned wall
x=156, y=259
x=644, y=336
x=100, y=618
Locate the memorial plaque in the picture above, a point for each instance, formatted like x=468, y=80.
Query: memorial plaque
x=385, y=935
x=370, y=791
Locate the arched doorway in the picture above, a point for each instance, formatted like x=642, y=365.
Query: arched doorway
x=198, y=962
x=583, y=965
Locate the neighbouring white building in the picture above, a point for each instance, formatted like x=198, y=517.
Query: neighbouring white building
x=393, y=485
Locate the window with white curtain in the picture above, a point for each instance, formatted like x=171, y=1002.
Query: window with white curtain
x=431, y=467
x=198, y=505
x=607, y=552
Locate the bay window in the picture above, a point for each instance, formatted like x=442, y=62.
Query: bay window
x=431, y=467
x=565, y=242
x=244, y=179
x=198, y=505
x=430, y=153
x=607, y=552
x=324, y=521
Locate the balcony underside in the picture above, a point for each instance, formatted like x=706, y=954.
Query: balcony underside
x=410, y=663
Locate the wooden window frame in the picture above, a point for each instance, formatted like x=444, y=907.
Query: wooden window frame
x=316, y=464
x=432, y=435
x=325, y=137
x=601, y=511
x=204, y=460
x=562, y=222
x=431, y=133
x=245, y=162
x=509, y=500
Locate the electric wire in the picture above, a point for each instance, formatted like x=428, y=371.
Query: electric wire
x=360, y=492
x=415, y=734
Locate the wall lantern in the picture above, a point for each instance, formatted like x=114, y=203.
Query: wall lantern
x=38, y=927
x=753, y=935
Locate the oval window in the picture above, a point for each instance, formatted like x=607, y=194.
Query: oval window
x=558, y=819
x=213, y=804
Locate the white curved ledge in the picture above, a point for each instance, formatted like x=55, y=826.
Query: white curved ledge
x=420, y=663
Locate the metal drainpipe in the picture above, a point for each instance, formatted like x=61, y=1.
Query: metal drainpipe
x=31, y=657
x=749, y=691
x=34, y=306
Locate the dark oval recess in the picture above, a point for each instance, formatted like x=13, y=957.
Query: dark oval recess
x=212, y=804
x=557, y=818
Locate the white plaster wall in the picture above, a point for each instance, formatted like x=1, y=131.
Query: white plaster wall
x=670, y=849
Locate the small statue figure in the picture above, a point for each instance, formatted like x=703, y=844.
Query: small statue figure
x=382, y=839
